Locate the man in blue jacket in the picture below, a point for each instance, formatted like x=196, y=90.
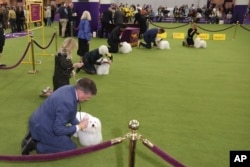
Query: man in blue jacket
x=149, y=37
x=54, y=122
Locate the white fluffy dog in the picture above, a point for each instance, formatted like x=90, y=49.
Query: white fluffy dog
x=103, y=68
x=198, y=43
x=125, y=47
x=162, y=44
x=92, y=135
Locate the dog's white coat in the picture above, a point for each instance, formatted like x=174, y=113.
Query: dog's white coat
x=162, y=44
x=102, y=69
x=198, y=43
x=92, y=135
x=125, y=47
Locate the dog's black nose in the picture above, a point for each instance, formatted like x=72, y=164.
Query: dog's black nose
x=93, y=125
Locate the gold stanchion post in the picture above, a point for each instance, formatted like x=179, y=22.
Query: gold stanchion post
x=33, y=71
x=133, y=125
x=56, y=39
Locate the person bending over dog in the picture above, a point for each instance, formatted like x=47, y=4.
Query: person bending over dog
x=190, y=34
x=115, y=38
x=150, y=37
x=90, y=58
x=53, y=123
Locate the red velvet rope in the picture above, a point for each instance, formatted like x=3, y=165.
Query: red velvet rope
x=19, y=61
x=55, y=156
x=166, y=157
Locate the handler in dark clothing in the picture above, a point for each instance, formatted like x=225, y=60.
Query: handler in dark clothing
x=2, y=40
x=90, y=58
x=54, y=122
x=142, y=22
x=64, y=67
x=114, y=38
x=150, y=36
x=190, y=34
x=106, y=20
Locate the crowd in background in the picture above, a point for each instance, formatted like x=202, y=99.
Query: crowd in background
x=15, y=17
x=212, y=13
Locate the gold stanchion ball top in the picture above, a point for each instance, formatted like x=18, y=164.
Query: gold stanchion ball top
x=133, y=124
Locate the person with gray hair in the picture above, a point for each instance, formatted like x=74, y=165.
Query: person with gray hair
x=53, y=123
x=84, y=35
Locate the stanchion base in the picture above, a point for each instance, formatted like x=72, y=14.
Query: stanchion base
x=33, y=72
x=37, y=62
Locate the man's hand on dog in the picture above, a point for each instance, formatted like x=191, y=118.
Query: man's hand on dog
x=84, y=123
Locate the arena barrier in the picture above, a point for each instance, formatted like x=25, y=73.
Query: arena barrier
x=31, y=46
x=212, y=31
x=133, y=136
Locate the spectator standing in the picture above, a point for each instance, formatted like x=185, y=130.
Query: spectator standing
x=84, y=35
x=106, y=20
x=63, y=14
x=12, y=19
x=72, y=15
x=142, y=22
x=2, y=36
x=118, y=17
x=48, y=15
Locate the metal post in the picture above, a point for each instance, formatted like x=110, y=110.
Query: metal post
x=235, y=29
x=133, y=125
x=71, y=28
x=33, y=71
x=56, y=39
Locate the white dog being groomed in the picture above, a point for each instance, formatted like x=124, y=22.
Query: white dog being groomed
x=125, y=47
x=103, y=68
x=162, y=44
x=198, y=43
x=91, y=135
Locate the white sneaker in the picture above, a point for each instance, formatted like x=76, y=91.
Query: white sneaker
x=46, y=89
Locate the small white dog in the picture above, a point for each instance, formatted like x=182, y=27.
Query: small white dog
x=198, y=43
x=162, y=44
x=125, y=47
x=103, y=68
x=92, y=135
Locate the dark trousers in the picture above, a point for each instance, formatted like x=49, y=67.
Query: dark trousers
x=190, y=41
x=104, y=30
x=2, y=41
x=113, y=47
x=83, y=47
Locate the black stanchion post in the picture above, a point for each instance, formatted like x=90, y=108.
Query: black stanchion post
x=133, y=125
x=71, y=28
x=235, y=29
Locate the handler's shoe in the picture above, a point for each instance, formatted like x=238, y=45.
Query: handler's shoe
x=88, y=71
x=183, y=43
x=47, y=89
x=28, y=145
x=138, y=44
